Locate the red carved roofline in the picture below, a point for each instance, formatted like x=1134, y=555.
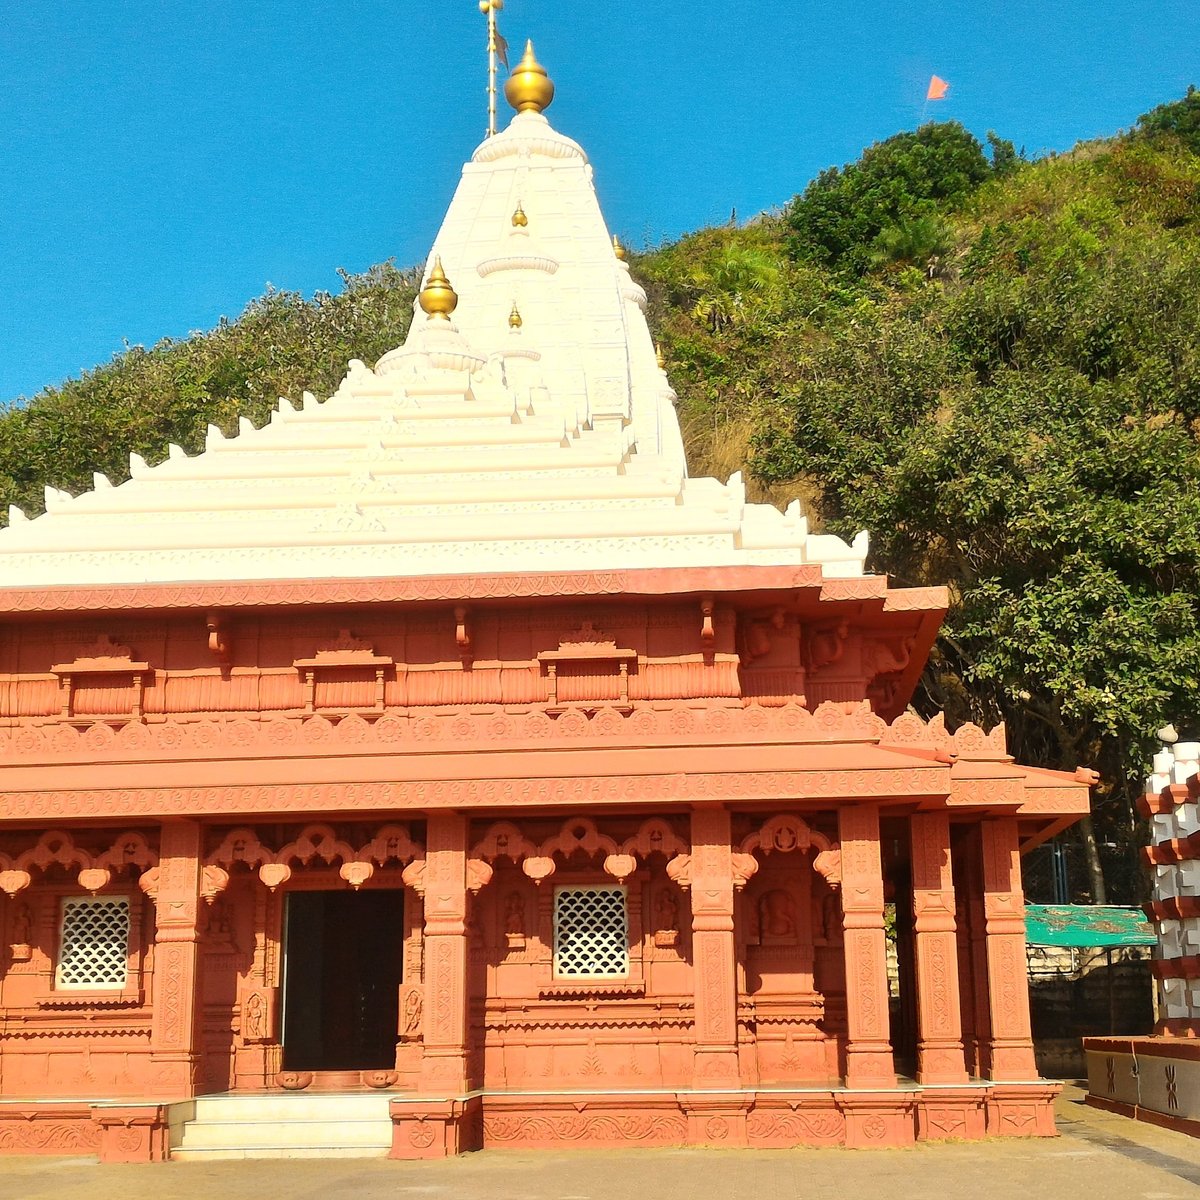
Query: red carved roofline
x=435, y=588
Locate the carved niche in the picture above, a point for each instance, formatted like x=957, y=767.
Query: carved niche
x=345, y=675
x=587, y=668
x=103, y=681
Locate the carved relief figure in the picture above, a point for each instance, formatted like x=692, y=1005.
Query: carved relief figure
x=667, y=910
x=514, y=914
x=666, y=918
x=254, y=1018
x=20, y=948
x=777, y=917
x=826, y=644
x=412, y=1005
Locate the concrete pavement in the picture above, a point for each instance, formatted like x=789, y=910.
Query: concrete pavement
x=1099, y=1157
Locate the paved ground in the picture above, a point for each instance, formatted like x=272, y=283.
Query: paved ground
x=1099, y=1157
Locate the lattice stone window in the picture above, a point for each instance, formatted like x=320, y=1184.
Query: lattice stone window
x=591, y=932
x=94, y=945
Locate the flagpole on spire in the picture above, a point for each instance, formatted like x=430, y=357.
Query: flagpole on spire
x=497, y=49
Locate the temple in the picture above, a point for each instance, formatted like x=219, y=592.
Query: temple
x=440, y=767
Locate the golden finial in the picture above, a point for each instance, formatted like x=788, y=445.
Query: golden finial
x=529, y=88
x=519, y=219
x=618, y=249
x=659, y=356
x=514, y=317
x=437, y=297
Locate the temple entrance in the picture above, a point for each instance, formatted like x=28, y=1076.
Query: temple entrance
x=343, y=953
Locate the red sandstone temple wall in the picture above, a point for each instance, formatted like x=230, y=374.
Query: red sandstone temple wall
x=275, y=663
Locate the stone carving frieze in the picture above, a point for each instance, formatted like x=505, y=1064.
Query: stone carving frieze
x=415, y=730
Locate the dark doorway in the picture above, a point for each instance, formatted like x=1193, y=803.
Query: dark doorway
x=342, y=970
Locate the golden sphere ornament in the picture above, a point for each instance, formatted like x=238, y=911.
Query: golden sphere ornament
x=528, y=88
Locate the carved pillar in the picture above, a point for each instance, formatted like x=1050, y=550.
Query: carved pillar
x=173, y=1042
x=868, y=1048
x=1010, y=1040
x=939, y=1025
x=972, y=959
x=716, y=1062
x=444, y=1061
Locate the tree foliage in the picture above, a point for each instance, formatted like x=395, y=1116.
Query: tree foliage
x=838, y=218
x=1179, y=119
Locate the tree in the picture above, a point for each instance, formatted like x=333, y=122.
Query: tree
x=839, y=215
x=1180, y=119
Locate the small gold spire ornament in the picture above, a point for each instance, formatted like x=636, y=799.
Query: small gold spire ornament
x=519, y=219
x=437, y=297
x=618, y=249
x=514, y=317
x=659, y=356
x=529, y=88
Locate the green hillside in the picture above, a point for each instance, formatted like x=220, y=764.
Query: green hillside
x=991, y=364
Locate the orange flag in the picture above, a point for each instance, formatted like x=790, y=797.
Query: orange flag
x=937, y=88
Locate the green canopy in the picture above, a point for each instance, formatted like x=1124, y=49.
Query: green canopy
x=1087, y=925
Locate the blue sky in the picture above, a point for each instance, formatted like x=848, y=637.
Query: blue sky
x=161, y=163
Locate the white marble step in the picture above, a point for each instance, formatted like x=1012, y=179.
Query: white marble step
x=220, y=1154
x=267, y=1126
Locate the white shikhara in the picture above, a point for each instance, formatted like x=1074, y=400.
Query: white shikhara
x=483, y=444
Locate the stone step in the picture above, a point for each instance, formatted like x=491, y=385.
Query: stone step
x=219, y=1154
x=245, y=1135
x=309, y=1125
x=294, y=1106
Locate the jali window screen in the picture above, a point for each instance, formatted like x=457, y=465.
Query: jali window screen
x=94, y=945
x=591, y=931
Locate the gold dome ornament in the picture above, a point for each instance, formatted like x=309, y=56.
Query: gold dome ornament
x=487, y=6
x=519, y=219
x=659, y=356
x=618, y=249
x=514, y=318
x=437, y=297
x=529, y=88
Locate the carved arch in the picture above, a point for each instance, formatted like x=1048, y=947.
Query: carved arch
x=391, y=843
x=505, y=840
x=785, y=833
x=57, y=848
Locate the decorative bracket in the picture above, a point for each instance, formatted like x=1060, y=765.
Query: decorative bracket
x=462, y=636
x=219, y=641
x=708, y=631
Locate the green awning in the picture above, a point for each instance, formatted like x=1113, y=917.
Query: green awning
x=1087, y=925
